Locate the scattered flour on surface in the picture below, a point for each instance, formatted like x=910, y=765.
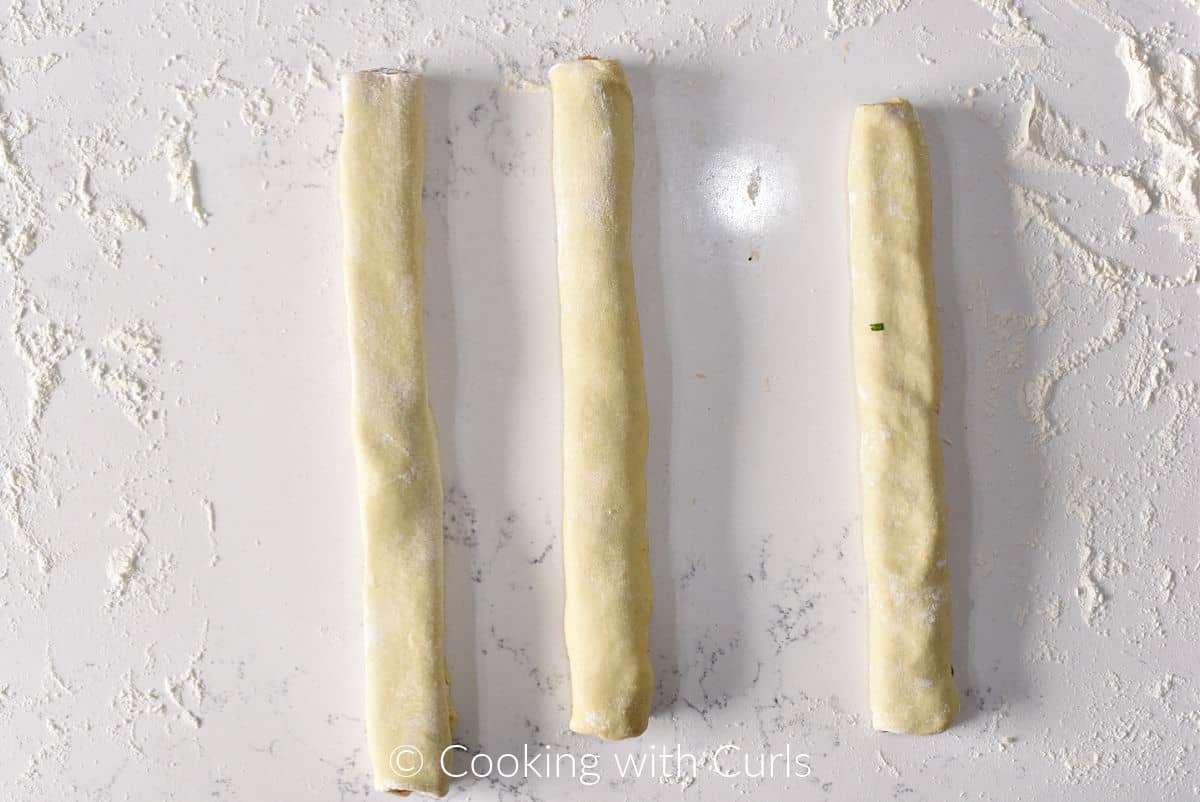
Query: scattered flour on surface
x=846, y=15
x=1012, y=28
x=175, y=148
x=43, y=347
x=1164, y=105
x=1039, y=391
x=131, y=577
x=210, y=520
x=186, y=690
x=133, y=347
x=138, y=341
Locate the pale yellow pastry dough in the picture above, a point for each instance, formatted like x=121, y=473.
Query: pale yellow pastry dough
x=399, y=477
x=605, y=422
x=898, y=370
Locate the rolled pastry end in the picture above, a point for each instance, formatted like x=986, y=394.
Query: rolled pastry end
x=621, y=708
x=603, y=74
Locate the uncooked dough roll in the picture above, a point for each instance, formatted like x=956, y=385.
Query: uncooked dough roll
x=605, y=422
x=898, y=370
x=410, y=718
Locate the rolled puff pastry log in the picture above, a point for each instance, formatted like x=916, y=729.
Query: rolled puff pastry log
x=898, y=371
x=410, y=718
x=605, y=421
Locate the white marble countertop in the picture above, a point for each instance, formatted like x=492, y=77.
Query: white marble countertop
x=180, y=563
